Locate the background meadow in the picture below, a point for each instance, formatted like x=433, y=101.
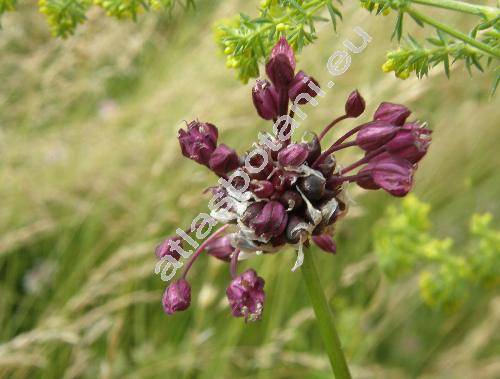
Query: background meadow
x=92, y=178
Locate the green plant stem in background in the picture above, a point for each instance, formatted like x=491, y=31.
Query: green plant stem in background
x=455, y=33
x=460, y=6
x=324, y=319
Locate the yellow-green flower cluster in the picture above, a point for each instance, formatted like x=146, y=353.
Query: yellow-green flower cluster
x=389, y=66
x=374, y=6
x=7, y=5
x=403, y=243
x=246, y=41
x=63, y=16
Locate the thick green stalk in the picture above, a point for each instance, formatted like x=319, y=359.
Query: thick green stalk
x=455, y=33
x=460, y=6
x=324, y=318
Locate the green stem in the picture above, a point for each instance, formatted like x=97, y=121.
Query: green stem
x=460, y=6
x=455, y=33
x=324, y=319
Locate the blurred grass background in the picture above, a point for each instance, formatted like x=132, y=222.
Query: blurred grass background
x=92, y=178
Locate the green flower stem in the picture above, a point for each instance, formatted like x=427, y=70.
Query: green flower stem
x=324, y=319
x=460, y=6
x=455, y=33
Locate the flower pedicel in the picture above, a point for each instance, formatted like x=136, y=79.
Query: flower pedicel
x=297, y=196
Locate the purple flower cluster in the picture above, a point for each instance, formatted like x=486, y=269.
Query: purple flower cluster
x=290, y=193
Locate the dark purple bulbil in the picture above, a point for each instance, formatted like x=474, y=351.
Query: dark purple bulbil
x=177, y=297
x=246, y=296
x=299, y=195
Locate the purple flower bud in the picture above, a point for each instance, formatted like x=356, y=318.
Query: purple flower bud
x=223, y=160
x=262, y=188
x=299, y=85
x=177, y=297
x=293, y=155
x=220, y=248
x=410, y=143
x=265, y=99
x=375, y=134
x=355, y=105
x=199, y=141
x=394, y=114
x=164, y=249
x=393, y=174
x=270, y=221
x=246, y=296
x=252, y=211
x=281, y=66
x=326, y=243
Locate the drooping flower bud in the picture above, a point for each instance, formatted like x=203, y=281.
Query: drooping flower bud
x=395, y=114
x=410, y=143
x=265, y=99
x=281, y=66
x=270, y=221
x=293, y=155
x=326, y=243
x=375, y=134
x=199, y=141
x=220, y=248
x=299, y=85
x=177, y=297
x=223, y=160
x=262, y=188
x=393, y=174
x=355, y=105
x=246, y=296
x=164, y=248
